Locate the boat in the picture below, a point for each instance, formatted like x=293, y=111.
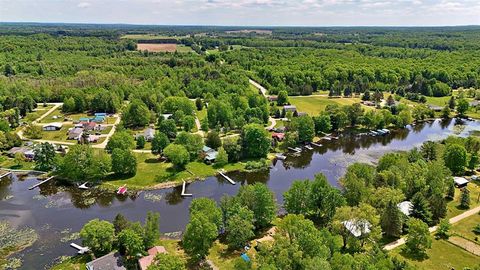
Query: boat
x=308, y=147
x=327, y=138
x=122, y=190
x=316, y=144
x=373, y=133
x=84, y=186
x=280, y=156
x=381, y=132
x=386, y=130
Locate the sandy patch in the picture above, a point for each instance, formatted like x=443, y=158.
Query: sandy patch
x=157, y=47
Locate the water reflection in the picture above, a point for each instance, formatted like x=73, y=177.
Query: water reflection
x=51, y=208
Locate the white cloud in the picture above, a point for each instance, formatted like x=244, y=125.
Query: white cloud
x=84, y=5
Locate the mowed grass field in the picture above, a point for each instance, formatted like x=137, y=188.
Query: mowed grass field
x=313, y=105
x=442, y=256
x=151, y=171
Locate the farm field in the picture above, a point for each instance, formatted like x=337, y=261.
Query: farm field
x=150, y=36
x=157, y=47
x=313, y=105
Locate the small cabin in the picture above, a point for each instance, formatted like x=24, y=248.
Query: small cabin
x=460, y=182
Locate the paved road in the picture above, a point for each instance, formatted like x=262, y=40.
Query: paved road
x=264, y=93
x=114, y=127
x=453, y=220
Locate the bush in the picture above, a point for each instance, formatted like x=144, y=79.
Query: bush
x=262, y=164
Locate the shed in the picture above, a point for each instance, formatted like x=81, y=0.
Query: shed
x=405, y=207
x=435, y=108
x=357, y=227
x=84, y=119
x=460, y=182
x=289, y=108
x=101, y=114
x=52, y=126
x=111, y=261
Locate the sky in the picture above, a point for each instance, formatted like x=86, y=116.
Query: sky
x=246, y=12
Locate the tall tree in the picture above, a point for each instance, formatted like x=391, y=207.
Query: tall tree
x=418, y=238
x=261, y=201
x=152, y=229
x=198, y=237
x=455, y=158
x=255, y=141
x=99, y=236
x=44, y=157
x=392, y=220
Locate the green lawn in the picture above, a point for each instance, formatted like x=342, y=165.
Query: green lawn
x=151, y=172
x=202, y=114
x=442, y=256
x=37, y=113
x=9, y=163
x=57, y=135
x=73, y=263
x=313, y=105
x=464, y=228
x=184, y=49
x=452, y=206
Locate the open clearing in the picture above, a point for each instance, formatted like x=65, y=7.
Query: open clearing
x=168, y=47
x=313, y=105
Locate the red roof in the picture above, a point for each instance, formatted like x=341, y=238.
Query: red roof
x=146, y=261
x=278, y=136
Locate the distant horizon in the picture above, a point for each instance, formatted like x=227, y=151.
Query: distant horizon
x=238, y=26
x=296, y=13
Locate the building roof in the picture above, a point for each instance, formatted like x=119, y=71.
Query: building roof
x=149, y=132
x=100, y=114
x=23, y=150
x=212, y=155
x=405, y=207
x=146, y=261
x=111, y=261
x=278, y=135
x=56, y=125
x=460, y=181
x=207, y=149
x=75, y=131
x=290, y=107
x=84, y=119
x=357, y=227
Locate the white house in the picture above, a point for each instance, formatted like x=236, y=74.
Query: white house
x=357, y=227
x=460, y=182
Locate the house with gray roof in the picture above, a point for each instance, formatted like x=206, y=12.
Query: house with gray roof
x=111, y=261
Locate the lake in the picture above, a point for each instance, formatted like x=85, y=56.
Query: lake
x=57, y=212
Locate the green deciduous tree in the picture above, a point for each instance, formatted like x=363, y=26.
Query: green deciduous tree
x=188, y=123
x=177, y=154
x=261, y=201
x=418, y=238
x=255, y=141
x=44, y=157
x=455, y=158
x=213, y=140
x=99, y=236
x=222, y=157
x=159, y=142
x=462, y=106
x=240, y=228
x=198, y=237
x=130, y=242
x=123, y=162
x=152, y=229
x=122, y=140
x=166, y=261
x=208, y=208
x=136, y=114
x=305, y=127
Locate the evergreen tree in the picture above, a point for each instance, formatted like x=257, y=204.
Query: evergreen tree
x=421, y=209
x=392, y=220
x=465, y=198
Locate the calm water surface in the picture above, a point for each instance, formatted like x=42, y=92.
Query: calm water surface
x=57, y=212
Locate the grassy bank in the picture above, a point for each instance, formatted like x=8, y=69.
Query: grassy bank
x=313, y=105
x=153, y=173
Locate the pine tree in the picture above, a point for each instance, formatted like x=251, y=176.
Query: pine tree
x=421, y=209
x=465, y=198
x=391, y=220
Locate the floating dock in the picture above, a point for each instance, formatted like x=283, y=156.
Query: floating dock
x=226, y=177
x=296, y=149
x=81, y=250
x=183, y=191
x=43, y=182
x=316, y=144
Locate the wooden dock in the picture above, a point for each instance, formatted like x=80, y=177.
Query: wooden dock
x=5, y=175
x=43, y=182
x=226, y=177
x=183, y=194
x=81, y=250
x=316, y=144
x=296, y=149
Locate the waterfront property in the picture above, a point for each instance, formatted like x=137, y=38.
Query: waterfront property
x=460, y=182
x=210, y=154
x=111, y=261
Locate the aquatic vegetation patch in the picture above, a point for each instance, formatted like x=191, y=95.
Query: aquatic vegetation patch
x=149, y=196
x=13, y=240
x=8, y=197
x=39, y=197
x=68, y=235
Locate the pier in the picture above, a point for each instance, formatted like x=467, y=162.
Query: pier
x=5, y=175
x=226, y=177
x=316, y=144
x=296, y=149
x=81, y=250
x=43, y=182
x=183, y=191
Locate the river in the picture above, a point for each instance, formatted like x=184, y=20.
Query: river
x=56, y=212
